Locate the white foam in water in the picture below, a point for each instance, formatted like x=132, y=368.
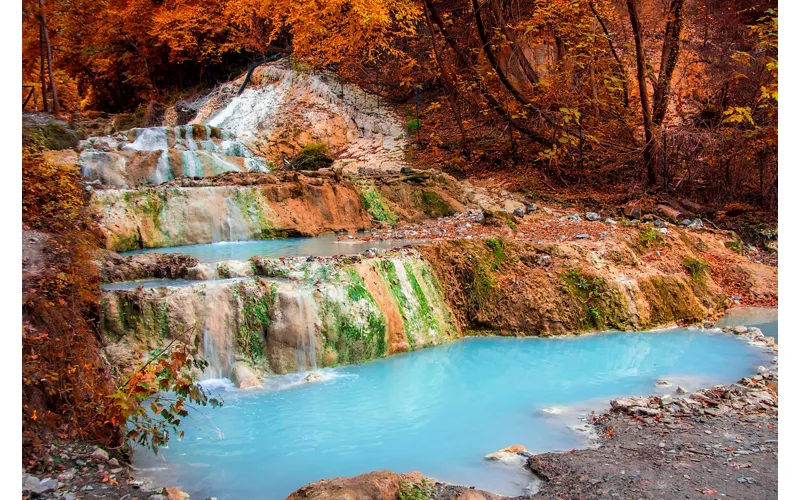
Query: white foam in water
x=149, y=139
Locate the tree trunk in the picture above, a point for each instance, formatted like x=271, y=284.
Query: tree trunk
x=669, y=59
x=49, y=58
x=449, y=86
x=651, y=143
x=487, y=49
x=41, y=69
x=619, y=67
x=527, y=68
x=464, y=61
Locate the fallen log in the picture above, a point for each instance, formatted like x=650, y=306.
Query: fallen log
x=670, y=212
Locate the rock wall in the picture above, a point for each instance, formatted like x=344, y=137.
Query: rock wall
x=172, y=216
x=283, y=109
x=315, y=314
x=553, y=289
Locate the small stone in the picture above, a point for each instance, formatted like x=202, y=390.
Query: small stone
x=543, y=260
x=647, y=412
x=662, y=444
x=113, y=462
x=680, y=390
x=172, y=493
x=45, y=486
x=29, y=482
x=685, y=222
x=592, y=216
x=518, y=212
x=739, y=330
x=370, y=253
x=100, y=455
x=663, y=230
x=610, y=221
x=88, y=487
x=530, y=208
x=632, y=211
x=67, y=476
x=581, y=236
x=510, y=454
x=574, y=217
x=663, y=383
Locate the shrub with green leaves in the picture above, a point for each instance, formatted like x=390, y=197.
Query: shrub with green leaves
x=313, y=156
x=413, y=491
x=650, y=238
x=696, y=268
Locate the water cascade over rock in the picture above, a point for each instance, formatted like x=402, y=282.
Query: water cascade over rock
x=143, y=156
x=296, y=315
x=282, y=110
x=278, y=207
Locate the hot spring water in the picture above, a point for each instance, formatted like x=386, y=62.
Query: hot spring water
x=321, y=246
x=439, y=411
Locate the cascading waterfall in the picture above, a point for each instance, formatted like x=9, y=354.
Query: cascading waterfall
x=306, y=353
x=211, y=354
x=218, y=338
x=162, y=172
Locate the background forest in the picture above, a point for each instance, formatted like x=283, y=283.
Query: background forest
x=675, y=94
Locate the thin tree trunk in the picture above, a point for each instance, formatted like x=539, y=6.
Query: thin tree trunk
x=464, y=61
x=622, y=74
x=49, y=58
x=644, y=96
x=41, y=69
x=449, y=86
x=526, y=66
x=487, y=49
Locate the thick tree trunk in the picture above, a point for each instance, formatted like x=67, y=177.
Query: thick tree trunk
x=669, y=59
x=49, y=58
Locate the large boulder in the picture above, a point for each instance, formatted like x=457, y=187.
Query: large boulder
x=378, y=485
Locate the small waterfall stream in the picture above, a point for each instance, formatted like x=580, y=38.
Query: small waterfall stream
x=306, y=353
x=218, y=338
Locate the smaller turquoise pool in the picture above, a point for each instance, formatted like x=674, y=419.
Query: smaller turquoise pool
x=438, y=411
x=765, y=318
x=321, y=246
